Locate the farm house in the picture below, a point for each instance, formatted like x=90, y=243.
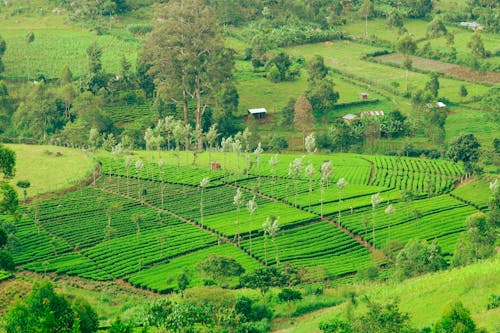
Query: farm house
x=258, y=113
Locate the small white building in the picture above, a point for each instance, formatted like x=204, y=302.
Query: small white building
x=257, y=113
x=440, y=105
x=348, y=118
x=471, y=25
x=368, y=114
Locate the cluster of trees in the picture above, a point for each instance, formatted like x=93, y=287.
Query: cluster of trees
x=46, y=311
x=8, y=205
x=381, y=318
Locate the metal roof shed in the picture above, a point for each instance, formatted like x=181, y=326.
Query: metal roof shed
x=258, y=113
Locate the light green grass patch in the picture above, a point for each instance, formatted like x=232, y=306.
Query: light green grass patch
x=48, y=172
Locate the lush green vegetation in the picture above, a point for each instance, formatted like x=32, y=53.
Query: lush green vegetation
x=176, y=189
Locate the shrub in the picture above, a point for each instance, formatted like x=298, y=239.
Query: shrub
x=287, y=295
x=140, y=29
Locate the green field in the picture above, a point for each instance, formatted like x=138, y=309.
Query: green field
x=49, y=168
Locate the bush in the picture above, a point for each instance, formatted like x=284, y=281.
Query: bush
x=493, y=302
x=6, y=261
x=287, y=295
x=140, y=29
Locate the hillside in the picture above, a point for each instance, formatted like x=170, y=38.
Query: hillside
x=425, y=297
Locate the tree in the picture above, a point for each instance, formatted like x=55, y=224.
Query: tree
x=24, y=184
x=379, y=318
x=88, y=319
x=137, y=219
x=6, y=261
x=42, y=311
x=271, y=227
x=465, y=148
x=419, y=8
x=407, y=46
x=366, y=11
x=395, y=19
x=478, y=241
x=341, y=184
x=203, y=184
x=455, y=318
x=436, y=28
x=303, y=118
x=316, y=69
x=463, y=91
x=238, y=201
x=66, y=75
x=375, y=200
x=476, y=46
x=322, y=96
x=188, y=57
x=251, y=206
x=419, y=257
x=3, y=237
x=432, y=86
x=10, y=202
x=294, y=170
x=3, y=47
x=219, y=268
x=326, y=172
x=389, y=211
x=29, y=38
x=7, y=162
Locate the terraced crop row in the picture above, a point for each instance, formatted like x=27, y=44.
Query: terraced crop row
x=163, y=277
x=317, y=244
x=82, y=217
x=361, y=221
x=182, y=200
x=420, y=176
x=129, y=254
x=70, y=264
x=34, y=243
x=152, y=171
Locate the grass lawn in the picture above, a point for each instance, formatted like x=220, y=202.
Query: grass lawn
x=48, y=172
x=463, y=120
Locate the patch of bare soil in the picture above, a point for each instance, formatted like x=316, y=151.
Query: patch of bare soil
x=458, y=71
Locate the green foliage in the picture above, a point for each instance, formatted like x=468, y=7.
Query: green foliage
x=264, y=278
x=120, y=326
x=477, y=243
x=419, y=257
x=88, y=319
x=432, y=86
x=476, y=46
x=6, y=261
x=455, y=318
x=3, y=237
x=9, y=201
x=219, y=268
x=380, y=318
x=42, y=311
x=465, y=148
x=287, y=295
x=7, y=162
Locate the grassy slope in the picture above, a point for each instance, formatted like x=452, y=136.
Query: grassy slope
x=49, y=173
x=56, y=44
x=425, y=297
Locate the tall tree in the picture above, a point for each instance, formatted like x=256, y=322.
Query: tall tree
x=187, y=55
x=366, y=11
x=303, y=118
x=465, y=148
x=3, y=47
